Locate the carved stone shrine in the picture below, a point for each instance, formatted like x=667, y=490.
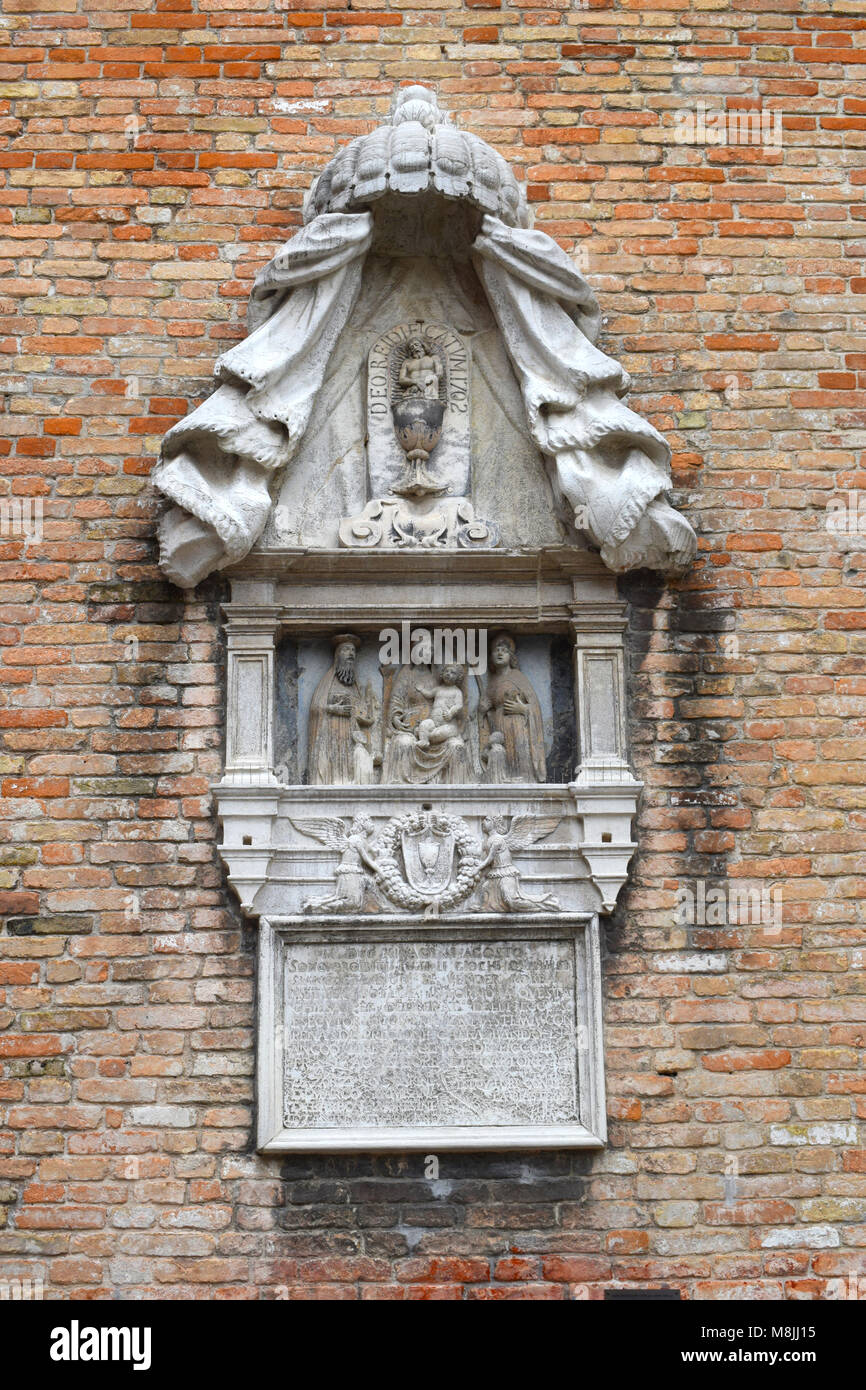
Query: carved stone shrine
x=421, y=478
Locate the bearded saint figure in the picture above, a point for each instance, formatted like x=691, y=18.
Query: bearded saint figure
x=338, y=712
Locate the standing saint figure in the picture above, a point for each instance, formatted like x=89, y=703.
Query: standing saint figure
x=509, y=706
x=338, y=711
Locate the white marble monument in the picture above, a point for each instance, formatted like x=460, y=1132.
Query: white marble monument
x=419, y=475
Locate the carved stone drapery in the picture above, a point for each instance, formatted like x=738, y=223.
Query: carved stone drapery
x=216, y=465
x=611, y=467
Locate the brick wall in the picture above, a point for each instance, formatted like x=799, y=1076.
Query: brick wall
x=154, y=156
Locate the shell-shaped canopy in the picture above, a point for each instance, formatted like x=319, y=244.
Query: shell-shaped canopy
x=419, y=150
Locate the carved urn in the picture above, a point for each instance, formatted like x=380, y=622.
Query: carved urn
x=418, y=427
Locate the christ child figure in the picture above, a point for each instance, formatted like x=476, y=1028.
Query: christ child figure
x=445, y=715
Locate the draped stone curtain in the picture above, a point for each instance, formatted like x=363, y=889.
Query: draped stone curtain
x=218, y=464
x=612, y=466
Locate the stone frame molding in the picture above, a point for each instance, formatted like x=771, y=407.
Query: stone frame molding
x=563, y=591
x=588, y=1129
x=275, y=867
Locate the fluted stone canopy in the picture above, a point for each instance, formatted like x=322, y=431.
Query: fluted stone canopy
x=419, y=150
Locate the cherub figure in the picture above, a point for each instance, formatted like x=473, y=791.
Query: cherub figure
x=503, y=888
x=420, y=372
x=355, y=859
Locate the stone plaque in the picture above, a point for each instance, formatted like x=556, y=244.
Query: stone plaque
x=453, y=1036
x=423, y=1032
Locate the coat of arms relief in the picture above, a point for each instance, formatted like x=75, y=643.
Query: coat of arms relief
x=428, y=861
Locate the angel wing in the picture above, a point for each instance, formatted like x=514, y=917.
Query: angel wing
x=328, y=830
x=526, y=830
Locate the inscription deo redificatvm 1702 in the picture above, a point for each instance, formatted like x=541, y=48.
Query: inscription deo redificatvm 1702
x=418, y=413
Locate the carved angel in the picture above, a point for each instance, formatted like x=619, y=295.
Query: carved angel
x=503, y=888
x=355, y=858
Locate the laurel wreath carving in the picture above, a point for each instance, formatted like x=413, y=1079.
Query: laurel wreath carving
x=390, y=877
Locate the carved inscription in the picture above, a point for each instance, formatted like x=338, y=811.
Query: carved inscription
x=413, y=1033
x=390, y=380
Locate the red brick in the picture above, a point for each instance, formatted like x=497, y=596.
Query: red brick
x=715, y=268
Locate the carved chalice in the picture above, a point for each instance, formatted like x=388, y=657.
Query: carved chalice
x=418, y=427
